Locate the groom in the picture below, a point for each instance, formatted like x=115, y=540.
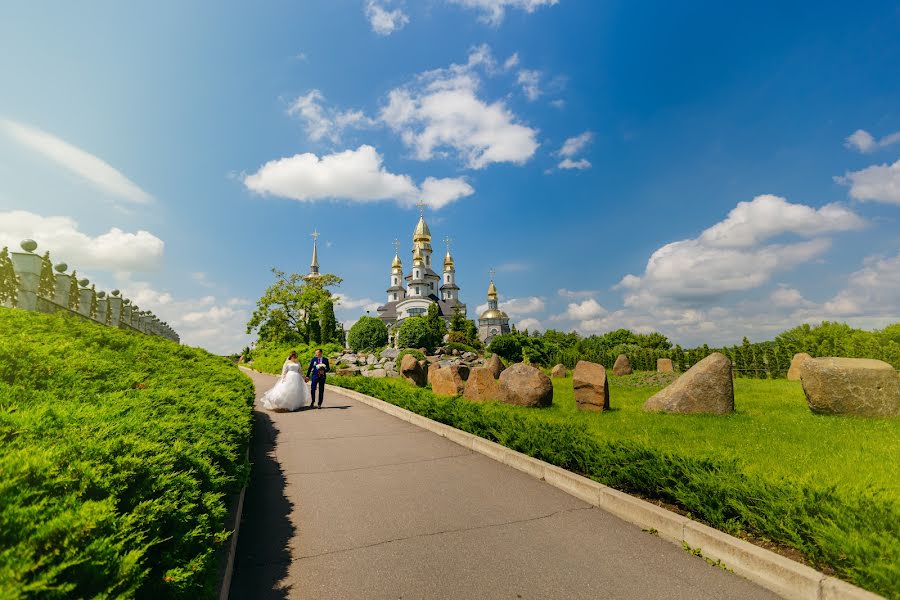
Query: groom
x=318, y=367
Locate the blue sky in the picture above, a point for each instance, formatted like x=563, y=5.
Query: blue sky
x=710, y=172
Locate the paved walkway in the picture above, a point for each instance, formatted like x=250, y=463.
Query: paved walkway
x=348, y=502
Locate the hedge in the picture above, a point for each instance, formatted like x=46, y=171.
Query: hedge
x=119, y=453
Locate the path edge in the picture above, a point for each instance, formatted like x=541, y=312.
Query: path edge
x=783, y=576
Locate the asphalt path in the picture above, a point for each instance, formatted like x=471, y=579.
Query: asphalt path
x=348, y=502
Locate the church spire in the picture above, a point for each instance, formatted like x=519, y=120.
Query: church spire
x=314, y=263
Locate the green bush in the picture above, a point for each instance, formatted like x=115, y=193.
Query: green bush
x=415, y=333
x=848, y=529
x=404, y=352
x=269, y=357
x=508, y=346
x=460, y=347
x=367, y=334
x=118, y=454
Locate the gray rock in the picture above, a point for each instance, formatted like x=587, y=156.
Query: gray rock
x=376, y=373
x=524, y=385
x=370, y=359
x=390, y=353
x=390, y=366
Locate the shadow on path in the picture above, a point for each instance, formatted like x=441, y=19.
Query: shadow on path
x=263, y=554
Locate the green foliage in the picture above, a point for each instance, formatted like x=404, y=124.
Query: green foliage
x=437, y=326
x=367, y=334
x=507, y=346
x=328, y=325
x=769, y=470
x=287, y=309
x=405, y=351
x=472, y=338
x=93, y=312
x=456, y=337
x=460, y=347
x=415, y=332
x=74, y=300
x=47, y=284
x=118, y=453
x=269, y=357
x=9, y=281
x=458, y=322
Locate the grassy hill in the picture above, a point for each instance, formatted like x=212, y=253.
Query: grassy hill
x=118, y=453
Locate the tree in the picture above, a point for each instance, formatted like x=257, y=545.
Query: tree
x=314, y=331
x=47, y=284
x=415, y=333
x=93, y=311
x=289, y=306
x=437, y=326
x=508, y=346
x=327, y=322
x=9, y=281
x=74, y=302
x=472, y=338
x=369, y=333
x=458, y=320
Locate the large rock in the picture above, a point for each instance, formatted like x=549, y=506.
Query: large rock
x=664, y=365
x=347, y=371
x=558, y=371
x=794, y=372
x=376, y=373
x=494, y=364
x=851, y=386
x=411, y=370
x=432, y=369
x=370, y=359
x=447, y=381
x=481, y=385
x=390, y=366
x=705, y=388
x=590, y=385
x=525, y=385
x=622, y=366
x=390, y=353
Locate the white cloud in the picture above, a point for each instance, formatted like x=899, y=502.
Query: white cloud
x=878, y=183
x=572, y=147
x=441, y=111
x=788, y=297
x=873, y=290
x=730, y=256
x=585, y=310
x=383, y=21
x=493, y=11
x=558, y=103
x=92, y=169
x=348, y=303
x=322, y=122
x=530, y=81
x=356, y=175
x=511, y=62
x=114, y=250
x=577, y=293
x=863, y=141
x=202, y=278
x=530, y=324
x=517, y=307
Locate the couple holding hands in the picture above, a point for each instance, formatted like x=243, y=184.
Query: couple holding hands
x=290, y=392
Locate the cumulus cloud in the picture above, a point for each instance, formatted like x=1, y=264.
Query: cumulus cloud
x=730, y=256
x=530, y=81
x=572, y=147
x=493, y=11
x=863, y=141
x=384, y=21
x=323, y=122
x=788, y=297
x=441, y=112
x=114, y=250
x=565, y=293
x=872, y=290
x=584, y=311
x=878, y=183
x=530, y=324
x=85, y=165
x=355, y=175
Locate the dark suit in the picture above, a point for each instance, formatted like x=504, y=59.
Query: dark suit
x=317, y=376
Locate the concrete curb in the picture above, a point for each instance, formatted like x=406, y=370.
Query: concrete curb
x=225, y=589
x=785, y=577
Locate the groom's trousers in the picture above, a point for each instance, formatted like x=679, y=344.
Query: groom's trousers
x=317, y=382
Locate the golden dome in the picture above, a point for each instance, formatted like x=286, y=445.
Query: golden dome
x=396, y=264
x=448, y=261
x=422, y=233
x=494, y=313
x=492, y=291
x=417, y=256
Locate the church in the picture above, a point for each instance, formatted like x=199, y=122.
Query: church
x=411, y=293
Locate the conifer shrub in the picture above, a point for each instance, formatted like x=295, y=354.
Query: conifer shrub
x=369, y=333
x=119, y=453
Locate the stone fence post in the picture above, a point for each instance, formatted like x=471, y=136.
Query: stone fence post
x=84, y=297
x=126, y=312
x=63, y=285
x=102, y=306
x=28, y=268
x=115, y=308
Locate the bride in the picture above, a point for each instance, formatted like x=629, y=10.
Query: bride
x=290, y=391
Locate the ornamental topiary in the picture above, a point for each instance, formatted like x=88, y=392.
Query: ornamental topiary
x=369, y=333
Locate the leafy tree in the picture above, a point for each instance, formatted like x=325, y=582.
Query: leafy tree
x=653, y=340
x=314, y=331
x=415, y=332
x=9, y=281
x=290, y=305
x=507, y=346
x=437, y=326
x=47, y=283
x=472, y=338
x=369, y=333
x=74, y=301
x=458, y=321
x=327, y=322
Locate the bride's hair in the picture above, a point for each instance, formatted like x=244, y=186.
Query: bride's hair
x=293, y=354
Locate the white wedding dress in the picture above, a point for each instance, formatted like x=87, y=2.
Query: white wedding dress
x=289, y=392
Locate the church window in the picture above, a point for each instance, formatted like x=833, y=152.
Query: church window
x=416, y=311
x=395, y=281
x=417, y=274
x=395, y=296
x=417, y=290
x=448, y=279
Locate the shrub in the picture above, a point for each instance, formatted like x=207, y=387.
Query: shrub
x=460, y=347
x=369, y=333
x=118, y=453
x=508, y=346
x=456, y=337
x=269, y=357
x=413, y=351
x=415, y=333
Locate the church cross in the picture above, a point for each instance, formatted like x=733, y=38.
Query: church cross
x=493, y=272
x=315, y=235
x=396, y=246
x=447, y=241
x=421, y=204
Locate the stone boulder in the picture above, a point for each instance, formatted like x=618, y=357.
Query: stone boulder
x=524, y=385
x=370, y=359
x=622, y=366
x=376, y=373
x=851, y=386
x=469, y=356
x=706, y=387
x=481, y=385
x=390, y=353
x=432, y=369
x=347, y=372
x=590, y=385
x=664, y=365
x=558, y=371
x=448, y=381
x=494, y=364
x=411, y=370
x=794, y=372
x=390, y=366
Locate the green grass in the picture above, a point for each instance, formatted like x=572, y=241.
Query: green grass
x=118, y=455
x=824, y=486
x=269, y=358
